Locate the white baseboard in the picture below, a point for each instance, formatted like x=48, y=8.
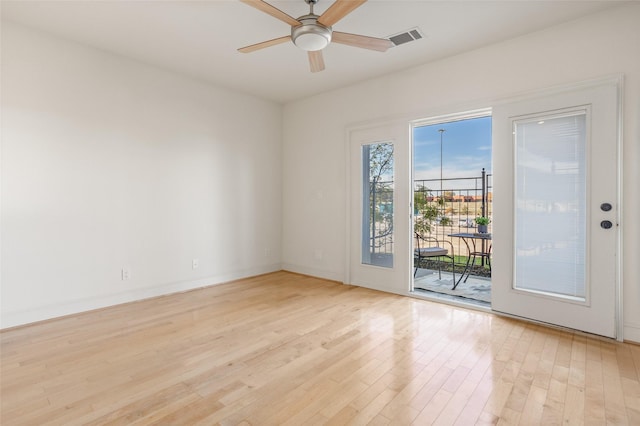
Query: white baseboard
x=319, y=273
x=13, y=319
x=382, y=289
x=632, y=333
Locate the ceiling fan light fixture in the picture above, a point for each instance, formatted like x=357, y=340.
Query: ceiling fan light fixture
x=311, y=36
x=311, y=41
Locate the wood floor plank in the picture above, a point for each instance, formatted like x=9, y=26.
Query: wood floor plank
x=433, y=408
x=614, y=401
x=287, y=349
x=554, y=403
x=472, y=410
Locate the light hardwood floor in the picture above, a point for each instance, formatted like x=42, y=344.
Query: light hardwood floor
x=288, y=349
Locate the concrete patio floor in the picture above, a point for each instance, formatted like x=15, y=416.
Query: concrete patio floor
x=476, y=290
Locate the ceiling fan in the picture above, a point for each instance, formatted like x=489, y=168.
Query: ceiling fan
x=313, y=33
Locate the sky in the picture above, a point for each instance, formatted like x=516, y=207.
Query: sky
x=466, y=149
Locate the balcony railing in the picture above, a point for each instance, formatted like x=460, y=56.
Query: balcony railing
x=451, y=205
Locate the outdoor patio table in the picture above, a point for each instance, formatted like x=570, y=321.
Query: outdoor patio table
x=473, y=252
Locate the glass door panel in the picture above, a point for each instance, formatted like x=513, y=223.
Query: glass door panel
x=551, y=204
x=377, y=209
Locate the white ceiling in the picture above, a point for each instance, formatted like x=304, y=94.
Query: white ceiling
x=200, y=38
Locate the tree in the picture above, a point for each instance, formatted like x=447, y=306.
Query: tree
x=428, y=212
x=380, y=193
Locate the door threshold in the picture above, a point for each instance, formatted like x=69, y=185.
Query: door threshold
x=458, y=301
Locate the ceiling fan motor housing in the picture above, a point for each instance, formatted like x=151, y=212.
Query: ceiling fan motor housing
x=311, y=35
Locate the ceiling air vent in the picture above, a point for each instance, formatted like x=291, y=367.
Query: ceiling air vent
x=406, y=36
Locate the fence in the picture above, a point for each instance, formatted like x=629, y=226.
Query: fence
x=445, y=206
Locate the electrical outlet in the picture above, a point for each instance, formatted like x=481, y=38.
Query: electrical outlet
x=267, y=252
x=195, y=263
x=126, y=274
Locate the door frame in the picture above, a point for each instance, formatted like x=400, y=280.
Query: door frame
x=437, y=120
x=483, y=104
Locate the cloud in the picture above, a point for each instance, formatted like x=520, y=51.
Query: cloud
x=421, y=143
x=455, y=178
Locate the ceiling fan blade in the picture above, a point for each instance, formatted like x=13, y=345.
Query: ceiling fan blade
x=316, y=61
x=268, y=43
x=272, y=10
x=365, y=42
x=339, y=10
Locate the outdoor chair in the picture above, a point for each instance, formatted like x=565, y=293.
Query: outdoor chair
x=431, y=247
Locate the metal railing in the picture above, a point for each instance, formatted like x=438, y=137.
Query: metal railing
x=381, y=220
x=451, y=206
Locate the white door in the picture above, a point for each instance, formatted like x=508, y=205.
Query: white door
x=379, y=208
x=555, y=221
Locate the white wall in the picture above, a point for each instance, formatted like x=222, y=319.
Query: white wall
x=314, y=161
x=108, y=163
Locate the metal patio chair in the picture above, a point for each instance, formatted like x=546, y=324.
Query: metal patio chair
x=430, y=247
